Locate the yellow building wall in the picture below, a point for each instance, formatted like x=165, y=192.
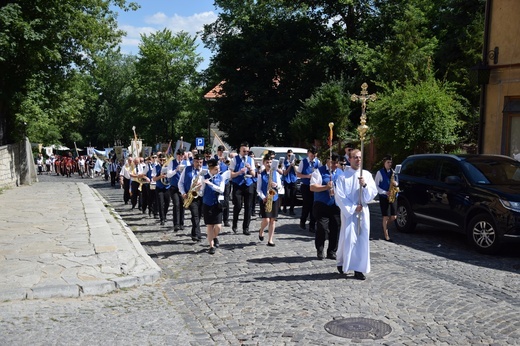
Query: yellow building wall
x=505, y=75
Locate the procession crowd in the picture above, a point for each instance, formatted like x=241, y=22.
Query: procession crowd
x=334, y=193
x=214, y=189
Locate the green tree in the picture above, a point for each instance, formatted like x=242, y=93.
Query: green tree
x=415, y=118
x=41, y=43
x=108, y=118
x=329, y=103
x=165, y=81
x=270, y=59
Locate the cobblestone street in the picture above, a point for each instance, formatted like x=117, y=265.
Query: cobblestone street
x=430, y=287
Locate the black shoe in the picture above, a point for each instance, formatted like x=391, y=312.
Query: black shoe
x=195, y=239
x=340, y=269
x=226, y=224
x=331, y=255
x=302, y=225
x=359, y=275
x=246, y=232
x=211, y=250
x=285, y=211
x=155, y=216
x=176, y=228
x=292, y=213
x=270, y=244
x=234, y=228
x=320, y=255
x=162, y=222
x=215, y=242
x=390, y=240
x=261, y=237
x=312, y=230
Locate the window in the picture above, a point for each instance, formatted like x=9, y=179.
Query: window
x=512, y=127
x=421, y=168
x=450, y=168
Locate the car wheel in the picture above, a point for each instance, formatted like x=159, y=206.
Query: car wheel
x=483, y=234
x=405, y=221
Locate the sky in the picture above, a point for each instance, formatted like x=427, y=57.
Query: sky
x=176, y=15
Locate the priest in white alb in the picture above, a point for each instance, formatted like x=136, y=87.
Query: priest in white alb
x=354, y=244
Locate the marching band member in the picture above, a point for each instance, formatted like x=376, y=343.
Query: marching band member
x=190, y=182
x=162, y=189
x=325, y=210
x=213, y=187
x=223, y=161
x=151, y=172
x=174, y=173
x=135, y=174
x=268, y=195
x=125, y=179
x=289, y=180
x=304, y=172
x=242, y=169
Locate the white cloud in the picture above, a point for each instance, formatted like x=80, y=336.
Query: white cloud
x=191, y=24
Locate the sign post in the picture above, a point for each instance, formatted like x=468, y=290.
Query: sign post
x=199, y=143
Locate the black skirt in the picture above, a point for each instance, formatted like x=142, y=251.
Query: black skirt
x=274, y=211
x=212, y=214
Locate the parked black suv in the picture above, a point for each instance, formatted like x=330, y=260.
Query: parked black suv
x=478, y=195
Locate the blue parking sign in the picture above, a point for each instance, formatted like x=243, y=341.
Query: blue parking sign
x=199, y=143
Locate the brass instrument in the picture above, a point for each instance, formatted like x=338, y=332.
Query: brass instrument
x=192, y=193
x=164, y=167
x=392, y=190
x=140, y=180
x=270, y=191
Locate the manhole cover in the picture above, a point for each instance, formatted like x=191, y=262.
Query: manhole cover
x=358, y=328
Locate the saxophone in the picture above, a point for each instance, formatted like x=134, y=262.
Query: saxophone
x=192, y=193
x=392, y=190
x=270, y=191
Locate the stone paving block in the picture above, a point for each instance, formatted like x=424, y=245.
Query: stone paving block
x=97, y=287
x=53, y=291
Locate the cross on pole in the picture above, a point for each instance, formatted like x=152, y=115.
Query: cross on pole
x=364, y=97
x=362, y=130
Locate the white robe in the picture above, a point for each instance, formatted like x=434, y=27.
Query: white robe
x=353, y=249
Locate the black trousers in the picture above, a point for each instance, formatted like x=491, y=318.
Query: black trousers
x=196, y=213
x=126, y=190
x=145, y=194
x=134, y=185
x=227, y=195
x=289, y=199
x=254, y=201
x=163, y=202
x=308, y=201
x=178, y=209
x=112, y=178
x=246, y=193
x=152, y=201
x=328, y=220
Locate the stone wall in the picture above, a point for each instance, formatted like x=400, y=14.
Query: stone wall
x=17, y=165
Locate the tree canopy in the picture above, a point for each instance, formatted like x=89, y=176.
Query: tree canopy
x=279, y=59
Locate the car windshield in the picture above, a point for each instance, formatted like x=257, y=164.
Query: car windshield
x=493, y=171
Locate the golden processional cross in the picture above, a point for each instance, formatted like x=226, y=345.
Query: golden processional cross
x=362, y=130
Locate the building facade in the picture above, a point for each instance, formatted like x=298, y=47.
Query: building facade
x=500, y=102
